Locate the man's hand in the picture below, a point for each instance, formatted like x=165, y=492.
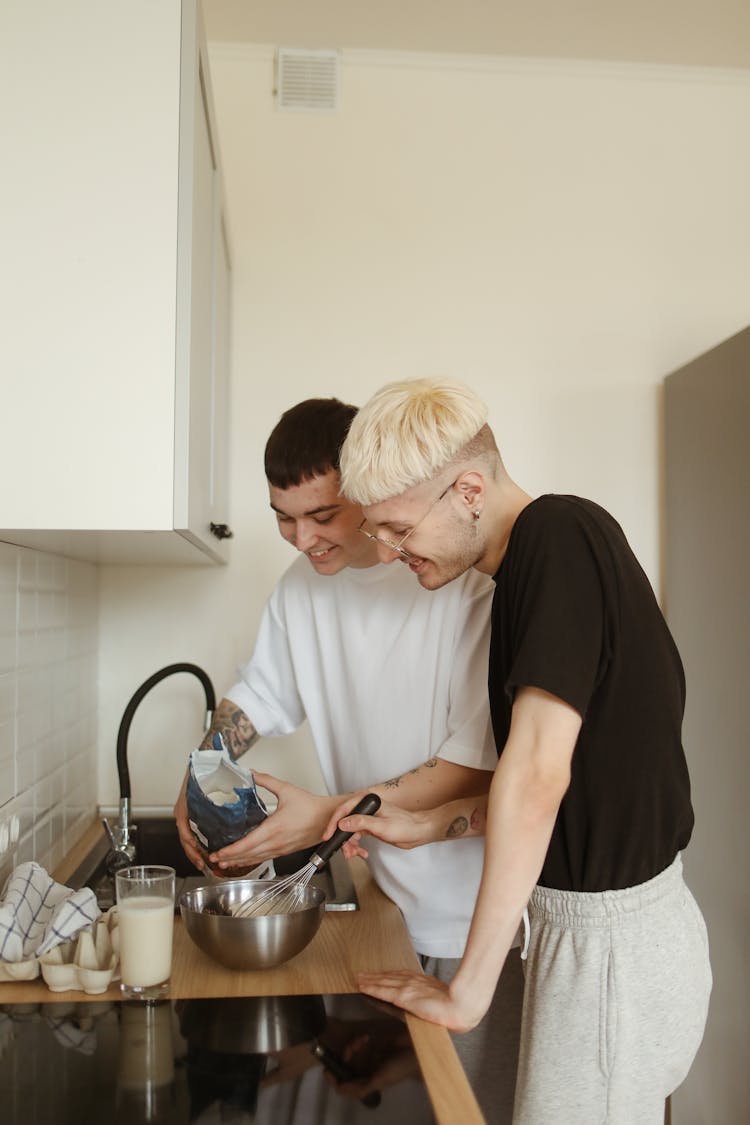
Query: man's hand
x=187, y=839
x=423, y=996
x=299, y=822
x=392, y=824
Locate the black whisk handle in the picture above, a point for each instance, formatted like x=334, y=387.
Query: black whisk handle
x=368, y=806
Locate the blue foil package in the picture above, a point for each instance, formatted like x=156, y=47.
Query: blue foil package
x=222, y=799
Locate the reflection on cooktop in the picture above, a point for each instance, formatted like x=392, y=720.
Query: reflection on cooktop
x=283, y=1060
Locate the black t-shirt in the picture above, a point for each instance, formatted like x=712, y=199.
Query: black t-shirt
x=575, y=615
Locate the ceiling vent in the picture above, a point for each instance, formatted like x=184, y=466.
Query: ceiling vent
x=307, y=80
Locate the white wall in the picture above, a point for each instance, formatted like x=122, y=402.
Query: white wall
x=558, y=235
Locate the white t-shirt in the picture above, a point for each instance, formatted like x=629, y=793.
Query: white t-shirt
x=388, y=675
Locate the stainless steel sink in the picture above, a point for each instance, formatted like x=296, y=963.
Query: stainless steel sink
x=156, y=841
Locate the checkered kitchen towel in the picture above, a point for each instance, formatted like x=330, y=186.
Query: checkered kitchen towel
x=36, y=913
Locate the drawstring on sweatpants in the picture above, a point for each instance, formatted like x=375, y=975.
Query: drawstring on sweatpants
x=526, y=933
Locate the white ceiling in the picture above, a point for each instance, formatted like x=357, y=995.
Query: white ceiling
x=676, y=32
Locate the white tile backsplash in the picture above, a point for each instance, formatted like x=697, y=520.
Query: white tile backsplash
x=48, y=700
x=8, y=608
x=7, y=763
x=7, y=696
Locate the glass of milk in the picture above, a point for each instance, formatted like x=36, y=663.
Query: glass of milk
x=145, y=908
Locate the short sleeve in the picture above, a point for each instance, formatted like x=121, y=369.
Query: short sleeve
x=470, y=741
x=267, y=690
x=555, y=601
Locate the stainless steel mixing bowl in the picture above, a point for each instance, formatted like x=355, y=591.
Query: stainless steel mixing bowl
x=248, y=943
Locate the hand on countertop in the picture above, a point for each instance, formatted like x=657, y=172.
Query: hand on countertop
x=424, y=996
x=299, y=822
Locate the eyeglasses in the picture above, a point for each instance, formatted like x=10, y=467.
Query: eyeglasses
x=399, y=547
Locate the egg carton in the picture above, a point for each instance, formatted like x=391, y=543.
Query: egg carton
x=16, y=971
x=88, y=963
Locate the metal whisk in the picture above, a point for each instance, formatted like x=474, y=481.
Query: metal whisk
x=286, y=895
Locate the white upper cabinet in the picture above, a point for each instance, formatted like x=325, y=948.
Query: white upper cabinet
x=115, y=284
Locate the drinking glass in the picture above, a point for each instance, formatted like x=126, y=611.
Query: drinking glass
x=145, y=906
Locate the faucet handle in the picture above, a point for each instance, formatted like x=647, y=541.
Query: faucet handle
x=123, y=850
x=110, y=834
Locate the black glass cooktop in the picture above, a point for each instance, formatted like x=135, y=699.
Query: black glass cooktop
x=284, y=1060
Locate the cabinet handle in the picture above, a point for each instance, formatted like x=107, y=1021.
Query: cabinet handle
x=221, y=530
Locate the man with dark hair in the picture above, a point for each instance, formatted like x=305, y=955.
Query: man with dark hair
x=392, y=681
x=306, y=441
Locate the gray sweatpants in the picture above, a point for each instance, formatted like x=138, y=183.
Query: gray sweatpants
x=489, y=1052
x=615, y=1003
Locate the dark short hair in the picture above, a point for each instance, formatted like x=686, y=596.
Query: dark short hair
x=306, y=441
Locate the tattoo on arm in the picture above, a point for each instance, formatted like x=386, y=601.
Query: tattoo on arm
x=394, y=782
x=460, y=824
x=234, y=726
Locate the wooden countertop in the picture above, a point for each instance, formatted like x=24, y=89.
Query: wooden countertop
x=365, y=940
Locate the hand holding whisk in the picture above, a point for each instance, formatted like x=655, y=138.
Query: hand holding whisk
x=285, y=895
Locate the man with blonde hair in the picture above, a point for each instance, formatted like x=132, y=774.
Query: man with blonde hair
x=589, y=807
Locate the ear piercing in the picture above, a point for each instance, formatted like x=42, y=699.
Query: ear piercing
x=475, y=514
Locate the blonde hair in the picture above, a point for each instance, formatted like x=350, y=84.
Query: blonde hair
x=406, y=433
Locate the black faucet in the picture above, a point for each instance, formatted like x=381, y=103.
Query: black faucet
x=123, y=849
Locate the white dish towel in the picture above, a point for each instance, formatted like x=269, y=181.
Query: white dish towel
x=36, y=913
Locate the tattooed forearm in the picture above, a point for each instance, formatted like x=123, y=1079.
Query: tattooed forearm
x=234, y=726
x=461, y=825
x=394, y=782
x=457, y=827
